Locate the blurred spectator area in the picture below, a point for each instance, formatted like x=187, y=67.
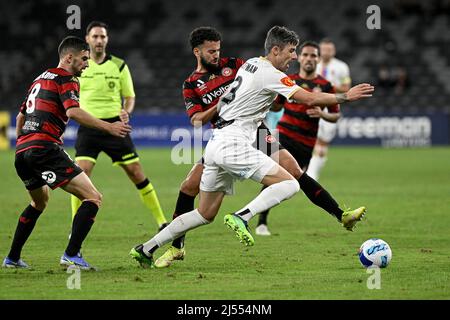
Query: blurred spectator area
x=408, y=58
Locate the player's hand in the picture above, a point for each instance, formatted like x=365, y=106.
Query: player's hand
x=314, y=112
x=124, y=116
x=363, y=90
x=119, y=129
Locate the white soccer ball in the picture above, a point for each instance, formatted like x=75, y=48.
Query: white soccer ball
x=375, y=252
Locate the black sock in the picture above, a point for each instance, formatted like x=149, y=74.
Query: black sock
x=263, y=215
x=82, y=223
x=319, y=196
x=142, y=184
x=25, y=226
x=185, y=203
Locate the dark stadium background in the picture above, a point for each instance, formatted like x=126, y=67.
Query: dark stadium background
x=411, y=48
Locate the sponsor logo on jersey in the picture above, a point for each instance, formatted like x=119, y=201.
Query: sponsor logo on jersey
x=226, y=72
x=287, y=82
x=210, y=96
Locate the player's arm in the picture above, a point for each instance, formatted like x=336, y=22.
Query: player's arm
x=128, y=94
x=194, y=107
x=118, y=128
x=20, y=121
x=318, y=112
x=127, y=109
x=278, y=103
x=360, y=91
x=203, y=117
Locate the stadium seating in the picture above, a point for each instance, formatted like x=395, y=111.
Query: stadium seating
x=153, y=38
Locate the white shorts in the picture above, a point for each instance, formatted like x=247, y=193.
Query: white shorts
x=229, y=159
x=327, y=130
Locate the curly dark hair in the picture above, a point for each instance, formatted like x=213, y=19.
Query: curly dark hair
x=199, y=35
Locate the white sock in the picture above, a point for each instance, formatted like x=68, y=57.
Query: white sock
x=179, y=226
x=315, y=166
x=270, y=197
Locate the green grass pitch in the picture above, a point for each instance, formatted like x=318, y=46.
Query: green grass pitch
x=309, y=256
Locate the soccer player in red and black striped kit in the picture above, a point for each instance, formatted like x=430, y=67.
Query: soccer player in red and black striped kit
x=41, y=161
x=201, y=92
x=299, y=124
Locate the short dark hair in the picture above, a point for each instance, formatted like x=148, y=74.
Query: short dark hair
x=94, y=24
x=73, y=44
x=310, y=44
x=199, y=35
x=280, y=37
x=326, y=40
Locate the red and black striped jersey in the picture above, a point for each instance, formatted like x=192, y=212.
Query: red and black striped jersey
x=295, y=123
x=49, y=97
x=202, y=91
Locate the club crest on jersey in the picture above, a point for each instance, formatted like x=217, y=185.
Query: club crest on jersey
x=317, y=89
x=226, y=72
x=287, y=82
x=49, y=176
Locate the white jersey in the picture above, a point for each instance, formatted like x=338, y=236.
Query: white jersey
x=336, y=71
x=247, y=101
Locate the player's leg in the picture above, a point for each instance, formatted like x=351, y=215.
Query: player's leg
x=280, y=186
x=215, y=183
x=326, y=134
x=208, y=207
x=87, y=165
x=27, y=221
x=318, y=159
x=277, y=152
x=185, y=203
x=316, y=193
x=189, y=189
x=81, y=187
x=147, y=192
x=88, y=145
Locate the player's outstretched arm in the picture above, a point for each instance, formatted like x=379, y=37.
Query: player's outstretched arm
x=118, y=128
x=360, y=91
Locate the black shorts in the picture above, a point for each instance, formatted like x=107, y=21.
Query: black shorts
x=266, y=142
x=300, y=152
x=90, y=142
x=49, y=165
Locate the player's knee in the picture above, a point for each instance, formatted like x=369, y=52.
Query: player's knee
x=292, y=187
x=95, y=197
x=295, y=171
x=40, y=204
x=190, y=187
x=321, y=150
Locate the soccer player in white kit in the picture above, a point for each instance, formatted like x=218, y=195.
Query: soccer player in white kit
x=338, y=73
x=229, y=155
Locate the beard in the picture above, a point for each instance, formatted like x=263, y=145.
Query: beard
x=309, y=69
x=209, y=66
